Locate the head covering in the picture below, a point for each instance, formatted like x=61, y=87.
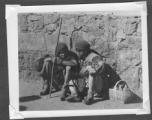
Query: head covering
x=60, y=47
x=82, y=44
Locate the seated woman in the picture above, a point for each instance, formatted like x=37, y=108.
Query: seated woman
x=92, y=68
x=67, y=61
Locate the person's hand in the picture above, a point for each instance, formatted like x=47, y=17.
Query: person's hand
x=57, y=60
x=91, y=70
x=54, y=59
x=83, y=71
x=48, y=60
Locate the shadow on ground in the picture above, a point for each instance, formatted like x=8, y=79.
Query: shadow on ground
x=136, y=99
x=22, y=108
x=29, y=98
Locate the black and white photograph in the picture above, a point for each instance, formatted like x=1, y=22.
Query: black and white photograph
x=88, y=59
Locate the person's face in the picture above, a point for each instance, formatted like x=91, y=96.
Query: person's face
x=63, y=54
x=81, y=53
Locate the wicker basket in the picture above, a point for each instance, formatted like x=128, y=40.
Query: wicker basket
x=119, y=95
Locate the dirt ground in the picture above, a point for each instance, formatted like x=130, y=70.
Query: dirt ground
x=30, y=100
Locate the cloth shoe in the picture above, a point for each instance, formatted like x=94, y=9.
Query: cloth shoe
x=64, y=92
x=74, y=98
x=89, y=99
x=46, y=88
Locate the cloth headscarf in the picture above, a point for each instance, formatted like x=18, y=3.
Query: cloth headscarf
x=60, y=47
x=82, y=44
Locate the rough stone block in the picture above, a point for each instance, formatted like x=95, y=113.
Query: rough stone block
x=120, y=34
x=103, y=48
x=51, y=28
x=106, y=33
x=76, y=36
x=55, y=17
x=134, y=42
x=98, y=32
x=40, y=23
x=139, y=29
x=48, y=18
x=112, y=23
x=85, y=28
x=70, y=30
x=23, y=24
x=131, y=28
x=123, y=45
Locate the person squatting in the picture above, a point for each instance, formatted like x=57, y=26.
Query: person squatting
x=82, y=73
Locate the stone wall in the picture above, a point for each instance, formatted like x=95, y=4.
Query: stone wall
x=116, y=37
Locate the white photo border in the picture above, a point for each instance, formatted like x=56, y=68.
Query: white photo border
x=13, y=68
